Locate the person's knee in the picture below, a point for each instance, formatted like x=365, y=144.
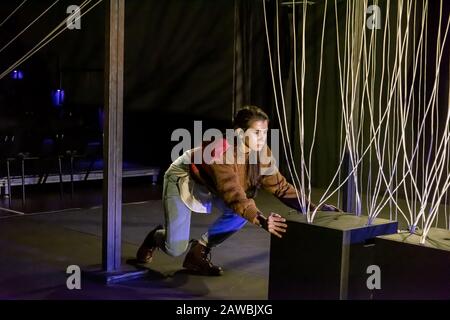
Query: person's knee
x=176, y=250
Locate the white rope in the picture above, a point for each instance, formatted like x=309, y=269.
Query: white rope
x=438, y=194
x=400, y=147
x=287, y=145
x=414, y=115
x=403, y=91
x=432, y=148
x=302, y=131
x=317, y=98
x=41, y=44
x=424, y=110
x=344, y=118
x=436, y=104
x=50, y=37
x=388, y=185
x=353, y=77
x=437, y=167
x=403, y=129
x=233, y=90
x=26, y=28
x=302, y=200
x=397, y=74
x=386, y=60
x=355, y=137
x=437, y=94
x=276, y=99
x=434, y=211
x=380, y=159
x=368, y=69
x=440, y=164
x=447, y=220
x=434, y=92
x=12, y=13
x=349, y=137
x=341, y=147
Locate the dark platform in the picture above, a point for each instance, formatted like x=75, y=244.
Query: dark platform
x=324, y=260
x=410, y=270
x=83, y=171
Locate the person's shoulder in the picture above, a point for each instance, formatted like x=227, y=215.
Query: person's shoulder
x=216, y=150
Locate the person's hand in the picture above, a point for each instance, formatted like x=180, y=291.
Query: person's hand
x=276, y=224
x=329, y=207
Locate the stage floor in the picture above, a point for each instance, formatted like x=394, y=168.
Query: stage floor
x=36, y=249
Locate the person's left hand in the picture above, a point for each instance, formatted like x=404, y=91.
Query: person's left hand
x=276, y=225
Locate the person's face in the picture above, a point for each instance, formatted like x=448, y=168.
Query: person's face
x=256, y=135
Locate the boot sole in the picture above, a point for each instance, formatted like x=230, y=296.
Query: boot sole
x=194, y=269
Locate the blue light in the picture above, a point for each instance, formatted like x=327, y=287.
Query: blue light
x=17, y=75
x=101, y=118
x=58, y=97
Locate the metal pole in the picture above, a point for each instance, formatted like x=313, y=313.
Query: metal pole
x=112, y=141
x=349, y=190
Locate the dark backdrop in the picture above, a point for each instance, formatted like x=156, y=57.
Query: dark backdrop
x=178, y=68
x=184, y=61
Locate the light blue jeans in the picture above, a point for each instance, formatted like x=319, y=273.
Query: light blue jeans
x=178, y=221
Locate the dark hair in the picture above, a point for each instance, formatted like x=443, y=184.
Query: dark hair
x=246, y=115
x=244, y=119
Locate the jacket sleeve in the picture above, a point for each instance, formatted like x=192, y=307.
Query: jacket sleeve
x=283, y=190
x=230, y=190
x=275, y=183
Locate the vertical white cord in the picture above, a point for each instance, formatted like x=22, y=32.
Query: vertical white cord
x=276, y=101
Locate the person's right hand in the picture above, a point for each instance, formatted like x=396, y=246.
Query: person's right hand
x=276, y=225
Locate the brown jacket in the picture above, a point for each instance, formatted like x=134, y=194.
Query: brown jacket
x=229, y=182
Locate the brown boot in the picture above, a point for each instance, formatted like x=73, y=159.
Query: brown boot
x=197, y=261
x=148, y=247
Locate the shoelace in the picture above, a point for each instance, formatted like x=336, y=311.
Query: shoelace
x=207, y=256
x=206, y=253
